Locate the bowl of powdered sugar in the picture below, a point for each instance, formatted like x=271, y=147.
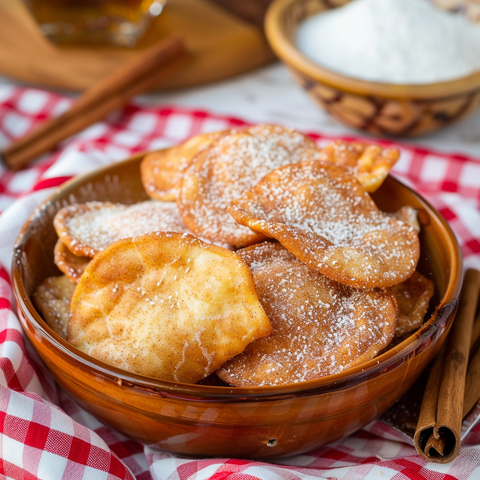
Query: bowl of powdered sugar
x=388, y=67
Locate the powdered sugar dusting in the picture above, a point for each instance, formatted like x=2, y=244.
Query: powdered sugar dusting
x=95, y=225
x=227, y=169
x=89, y=228
x=323, y=215
x=320, y=327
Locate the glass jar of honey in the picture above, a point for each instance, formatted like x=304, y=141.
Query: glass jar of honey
x=117, y=22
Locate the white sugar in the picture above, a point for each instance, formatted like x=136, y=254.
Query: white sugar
x=392, y=41
x=234, y=165
x=308, y=339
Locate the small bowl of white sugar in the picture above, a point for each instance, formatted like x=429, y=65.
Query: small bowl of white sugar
x=388, y=67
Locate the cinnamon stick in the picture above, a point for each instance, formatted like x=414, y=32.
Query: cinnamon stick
x=472, y=380
x=141, y=73
x=437, y=437
x=475, y=332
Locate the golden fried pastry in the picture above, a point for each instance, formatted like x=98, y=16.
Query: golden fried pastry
x=413, y=297
x=161, y=171
x=321, y=213
x=320, y=327
x=226, y=169
x=166, y=305
x=371, y=163
x=89, y=228
x=52, y=298
x=408, y=215
x=68, y=263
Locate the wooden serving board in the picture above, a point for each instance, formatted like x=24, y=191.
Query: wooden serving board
x=221, y=44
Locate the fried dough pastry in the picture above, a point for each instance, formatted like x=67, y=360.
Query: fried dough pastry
x=370, y=163
x=226, y=169
x=52, y=298
x=320, y=327
x=409, y=215
x=321, y=213
x=68, y=263
x=161, y=171
x=89, y=228
x=413, y=297
x=166, y=305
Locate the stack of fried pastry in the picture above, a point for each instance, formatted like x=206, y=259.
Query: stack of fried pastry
x=260, y=257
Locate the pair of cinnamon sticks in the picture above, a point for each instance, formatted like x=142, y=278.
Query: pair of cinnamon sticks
x=145, y=71
x=453, y=385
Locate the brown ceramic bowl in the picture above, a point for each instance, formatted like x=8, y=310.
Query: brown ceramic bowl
x=377, y=108
x=258, y=422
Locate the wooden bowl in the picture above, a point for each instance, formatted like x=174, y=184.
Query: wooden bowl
x=377, y=108
x=201, y=420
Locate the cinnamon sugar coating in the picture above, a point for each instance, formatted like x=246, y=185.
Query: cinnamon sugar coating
x=68, y=263
x=321, y=213
x=170, y=306
x=52, y=298
x=226, y=169
x=161, y=172
x=320, y=327
x=413, y=297
x=166, y=305
x=369, y=162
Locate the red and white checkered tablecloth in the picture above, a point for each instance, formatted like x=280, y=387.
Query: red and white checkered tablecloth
x=44, y=434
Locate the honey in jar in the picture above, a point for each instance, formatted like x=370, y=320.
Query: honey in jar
x=117, y=22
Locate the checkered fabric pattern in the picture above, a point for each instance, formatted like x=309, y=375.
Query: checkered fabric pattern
x=44, y=434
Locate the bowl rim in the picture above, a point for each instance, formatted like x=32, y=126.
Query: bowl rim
x=293, y=57
x=392, y=358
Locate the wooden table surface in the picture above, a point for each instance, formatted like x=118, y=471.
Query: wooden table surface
x=222, y=45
